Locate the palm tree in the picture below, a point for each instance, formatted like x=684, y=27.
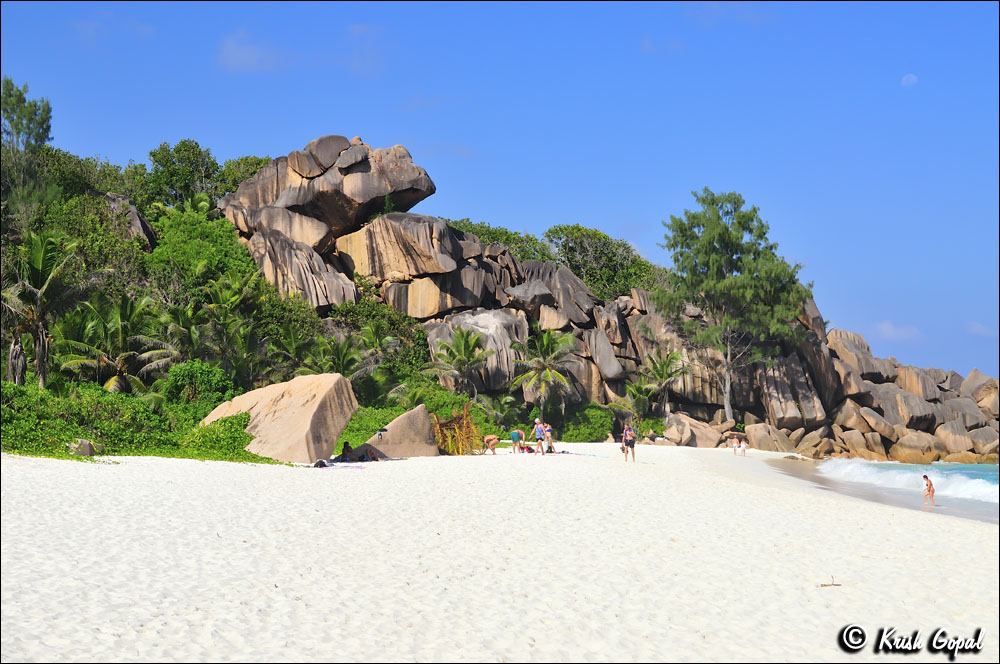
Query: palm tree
x=459, y=360
x=45, y=291
x=187, y=329
x=547, y=357
x=114, y=343
x=234, y=340
x=332, y=355
x=289, y=351
x=659, y=372
x=501, y=408
x=637, y=402
x=13, y=315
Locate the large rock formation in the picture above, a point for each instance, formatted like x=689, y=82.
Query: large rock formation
x=336, y=211
x=298, y=421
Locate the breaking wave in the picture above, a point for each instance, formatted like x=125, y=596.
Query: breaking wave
x=971, y=482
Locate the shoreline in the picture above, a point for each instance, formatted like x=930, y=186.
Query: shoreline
x=807, y=471
x=507, y=557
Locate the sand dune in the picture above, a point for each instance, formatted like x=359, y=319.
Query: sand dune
x=688, y=555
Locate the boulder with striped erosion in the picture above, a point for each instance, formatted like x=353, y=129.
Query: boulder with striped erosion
x=879, y=424
x=603, y=354
x=684, y=430
x=293, y=267
x=985, y=440
x=776, y=394
x=137, y=224
x=342, y=191
x=500, y=329
x=298, y=421
x=852, y=385
x=436, y=295
x=864, y=445
x=572, y=296
x=812, y=319
x=968, y=411
x=852, y=348
x=901, y=407
x=297, y=227
x=768, y=438
x=952, y=381
x=409, y=435
x=531, y=296
x=917, y=447
x=849, y=416
x=399, y=247
x=954, y=436
x=550, y=318
x=819, y=362
x=918, y=382
x=978, y=385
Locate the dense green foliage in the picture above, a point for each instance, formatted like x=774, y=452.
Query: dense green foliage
x=608, y=266
x=724, y=263
x=588, y=424
x=365, y=423
x=524, y=246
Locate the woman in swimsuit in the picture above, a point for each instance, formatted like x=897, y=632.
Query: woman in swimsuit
x=928, y=490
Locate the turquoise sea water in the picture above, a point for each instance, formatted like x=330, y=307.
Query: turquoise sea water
x=980, y=482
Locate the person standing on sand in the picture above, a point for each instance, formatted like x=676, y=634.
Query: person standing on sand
x=548, y=439
x=628, y=441
x=516, y=437
x=928, y=490
x=743, y=445
x=539, y=436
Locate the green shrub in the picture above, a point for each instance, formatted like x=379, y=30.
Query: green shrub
x=27, y=425
x=222, y=440
x=412, y=353
x=192, y=390
x=365, y=423
x=589, y=424
x=654, y=424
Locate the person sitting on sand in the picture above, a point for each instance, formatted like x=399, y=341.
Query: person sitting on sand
x=928, y=490
x=516, y=438
x=490, y=440
x=539, y=436
x=628, y=441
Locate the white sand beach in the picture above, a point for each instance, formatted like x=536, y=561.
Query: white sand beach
x=688, y=555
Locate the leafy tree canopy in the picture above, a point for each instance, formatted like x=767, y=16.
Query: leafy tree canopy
x=610, y=267
x=724, y=263
x=180, y=172
x=524, y=246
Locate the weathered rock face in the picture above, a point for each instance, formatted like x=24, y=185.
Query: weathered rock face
x=978, y=385
x=968, y=411
x=901, y=407
x=298, y=421
x=409, y=435
x=686, y=431
x=427, y=297
x=917, y=382
x=766, y=437
x=399, y=247
x=853, y=349
x=985, y=440
x=343, y=195
x=500, y=328
x=954, y=436
x=295, y=268
x=572, y=296
x=917, y=447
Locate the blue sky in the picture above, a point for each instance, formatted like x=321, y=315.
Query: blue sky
x=866, y=133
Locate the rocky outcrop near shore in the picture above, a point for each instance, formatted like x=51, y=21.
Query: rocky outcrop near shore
x=318, y=219
x=298, y=421
x=409, y=435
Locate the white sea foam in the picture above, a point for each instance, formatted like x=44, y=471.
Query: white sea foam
x=895, y=476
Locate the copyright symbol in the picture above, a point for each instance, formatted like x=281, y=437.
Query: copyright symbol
x=853, y=638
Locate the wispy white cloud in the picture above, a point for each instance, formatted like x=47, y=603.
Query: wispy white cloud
x=889, y=331
x=102, y=25
x=649, y=45
x=239, y=52
x=909, y=80
x=364, y=50
x=710, y=14
x=977, y=329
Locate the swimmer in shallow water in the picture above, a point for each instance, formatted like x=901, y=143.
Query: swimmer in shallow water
x=928, y=490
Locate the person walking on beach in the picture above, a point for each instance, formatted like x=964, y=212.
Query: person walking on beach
x=628, y=441
x=928, y=490
x=539, y=436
